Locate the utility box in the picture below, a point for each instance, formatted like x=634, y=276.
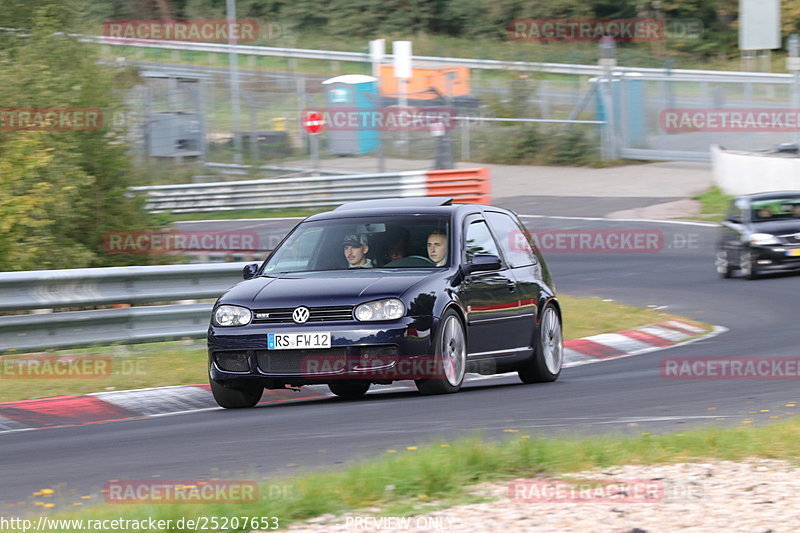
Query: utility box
x=174, y=134
x=174, y=121
x=353, y=92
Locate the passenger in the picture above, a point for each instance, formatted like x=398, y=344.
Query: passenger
x=437, y=247
x=398, y=245
x=355, y=251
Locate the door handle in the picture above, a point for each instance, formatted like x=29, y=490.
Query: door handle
x=511, y=285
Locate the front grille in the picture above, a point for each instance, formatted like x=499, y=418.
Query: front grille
x=232, y=361
x=301, y=361
x=316, y=314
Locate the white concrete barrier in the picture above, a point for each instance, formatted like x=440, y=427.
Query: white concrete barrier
x=738, y=173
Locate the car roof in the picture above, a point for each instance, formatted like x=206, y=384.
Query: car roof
x=426, y=205
x=769, y=195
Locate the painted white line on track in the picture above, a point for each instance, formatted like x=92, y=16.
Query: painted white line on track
x=648, y=220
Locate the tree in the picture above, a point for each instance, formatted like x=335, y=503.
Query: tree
x=61, y=191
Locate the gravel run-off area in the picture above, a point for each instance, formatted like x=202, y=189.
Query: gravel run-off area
x=756, y=496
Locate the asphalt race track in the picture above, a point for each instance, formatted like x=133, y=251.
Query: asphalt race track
x=623, y=395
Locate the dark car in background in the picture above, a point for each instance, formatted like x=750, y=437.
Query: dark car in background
x=760, y=233
x=384, y=290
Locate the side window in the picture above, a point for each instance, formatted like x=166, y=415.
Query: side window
x=479, y=240
x=738, y=210
x=513, y=240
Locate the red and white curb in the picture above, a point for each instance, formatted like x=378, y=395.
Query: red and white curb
x=634, y=342
x=80, y=409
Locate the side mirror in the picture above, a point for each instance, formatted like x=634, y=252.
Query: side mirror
x=249, y=271
x=484, y=262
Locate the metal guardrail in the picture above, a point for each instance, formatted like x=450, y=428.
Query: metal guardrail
x=86, y=287
x=281, y=193
x=81, y=287
x=488, y=64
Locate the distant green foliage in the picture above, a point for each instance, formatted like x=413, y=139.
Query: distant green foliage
x=60, y=191
x=471, y=19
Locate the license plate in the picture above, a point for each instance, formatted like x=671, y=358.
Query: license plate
x=298, y=341
x=794, y=252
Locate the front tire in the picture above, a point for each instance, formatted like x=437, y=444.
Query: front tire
x=351, y=390
x=548, y=356
x=450, y=357
x=724, y=268
x=748, y=266
x=240, y=397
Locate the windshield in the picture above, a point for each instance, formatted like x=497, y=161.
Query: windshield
x=368, y=242
x=775, y=209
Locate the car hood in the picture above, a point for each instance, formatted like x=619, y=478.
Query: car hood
x=778, y=227
x=321, y=288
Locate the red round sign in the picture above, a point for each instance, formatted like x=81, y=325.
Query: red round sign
x=313, y=122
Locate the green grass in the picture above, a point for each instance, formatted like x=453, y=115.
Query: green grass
x=411, y=480
x=713, y=204
x=184, y=362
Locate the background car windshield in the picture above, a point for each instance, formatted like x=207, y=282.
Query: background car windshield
x=775, y=209
x=368, y=242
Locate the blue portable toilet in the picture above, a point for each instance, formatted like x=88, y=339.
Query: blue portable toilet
x=353, y=92
x=627, y=91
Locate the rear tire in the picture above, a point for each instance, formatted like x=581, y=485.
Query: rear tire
x=239, y=397
x=351, y=390
x=548, y=356
x=450, y=357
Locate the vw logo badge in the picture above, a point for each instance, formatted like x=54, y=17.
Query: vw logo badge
x=300, y=315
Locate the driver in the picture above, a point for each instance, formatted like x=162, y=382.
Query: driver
x=437, y=247
x=355, y=251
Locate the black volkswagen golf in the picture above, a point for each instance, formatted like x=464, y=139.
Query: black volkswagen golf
x=383, y=290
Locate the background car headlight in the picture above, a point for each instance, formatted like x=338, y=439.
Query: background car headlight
x=232, y=315
x=763, y=239
x=388, y=309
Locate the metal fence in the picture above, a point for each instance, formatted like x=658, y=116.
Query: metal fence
x=529, y=90
x=47, y=290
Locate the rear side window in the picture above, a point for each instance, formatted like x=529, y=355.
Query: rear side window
x=479, y=240
x=513, y=240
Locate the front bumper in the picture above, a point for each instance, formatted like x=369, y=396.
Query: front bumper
x=379, y=351
x=775, y=257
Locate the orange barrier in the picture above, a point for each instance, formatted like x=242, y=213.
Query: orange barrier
x=468, y=185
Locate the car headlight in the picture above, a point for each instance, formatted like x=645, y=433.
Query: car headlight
x=388, y=309
x=232, y=315
x=761, y=239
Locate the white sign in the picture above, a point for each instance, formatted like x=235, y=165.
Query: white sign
x=402, y=59
x=759, y=24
